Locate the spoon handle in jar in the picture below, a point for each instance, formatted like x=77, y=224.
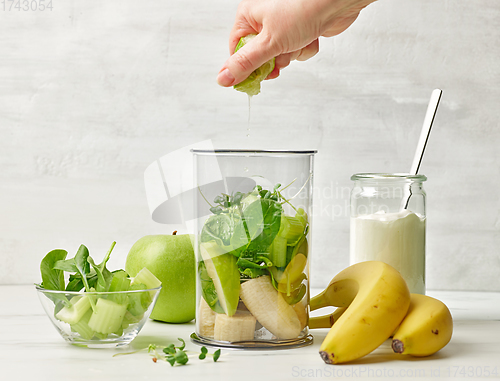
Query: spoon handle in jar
x=426, y=130
x=422, y=141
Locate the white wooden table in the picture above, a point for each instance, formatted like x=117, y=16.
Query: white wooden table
x=31, y=349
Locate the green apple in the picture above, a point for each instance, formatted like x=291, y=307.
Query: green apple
x=171, y=259
x=221, y=267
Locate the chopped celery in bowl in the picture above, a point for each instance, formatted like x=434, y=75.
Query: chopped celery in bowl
x=99, y=319
x=96, y=307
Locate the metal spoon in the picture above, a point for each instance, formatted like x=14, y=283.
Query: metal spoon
x=424, y=137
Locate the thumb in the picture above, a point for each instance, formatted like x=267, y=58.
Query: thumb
x=248, y=58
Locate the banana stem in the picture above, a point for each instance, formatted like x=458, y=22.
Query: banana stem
x=319, y=301
x=324, y=321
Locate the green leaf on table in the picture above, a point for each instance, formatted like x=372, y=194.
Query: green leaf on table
x=216, y=355
x=181, y=357
x=170, y=360
x=203, y=353
x=183, y=345
x=169, y=350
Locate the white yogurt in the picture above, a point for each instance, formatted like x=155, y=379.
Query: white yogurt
x=397, y=239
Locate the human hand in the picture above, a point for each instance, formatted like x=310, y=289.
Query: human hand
x=287, y=29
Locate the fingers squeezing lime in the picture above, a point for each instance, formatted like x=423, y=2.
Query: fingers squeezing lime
x=251, y=85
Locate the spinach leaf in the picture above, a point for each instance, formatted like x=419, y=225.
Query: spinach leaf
x=83, y=265
x=67, y=265
x=83, y=268
x=104, y=276
x=102, y=284
x=258, y=227
x=251, y=272
x=218, y=227
x=76, y=283
x=52, y=278
x=242, y=262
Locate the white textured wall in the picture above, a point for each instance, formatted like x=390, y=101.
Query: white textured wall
x=94, y=91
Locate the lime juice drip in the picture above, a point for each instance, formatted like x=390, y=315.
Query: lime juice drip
x=249, y=113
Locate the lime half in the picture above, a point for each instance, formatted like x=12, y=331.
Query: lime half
x=251, y=85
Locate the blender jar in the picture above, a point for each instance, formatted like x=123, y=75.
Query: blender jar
x=388, y=223
x=253, y=244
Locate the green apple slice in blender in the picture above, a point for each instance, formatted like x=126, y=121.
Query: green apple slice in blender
x=221, y=267
x=251, y=85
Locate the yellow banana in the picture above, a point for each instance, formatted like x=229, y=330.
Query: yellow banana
x=239, y=327
x=338, y=294
x=426, y=329
x=301, y=312
x=205, y=320
x=326, y=321
x=377, y=298
x=269, y=308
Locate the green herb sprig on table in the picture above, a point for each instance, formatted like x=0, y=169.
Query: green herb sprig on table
x=174, y=355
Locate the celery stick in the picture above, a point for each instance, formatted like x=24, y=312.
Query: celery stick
x=107, y=317
x=301, y=215
x=138, y=302
x=291, y=228
x=278, y=252
x=120, y=282
x=131, y=319
x=78, y=307
x=82, y=326
x=147, y=277
x=101, y=336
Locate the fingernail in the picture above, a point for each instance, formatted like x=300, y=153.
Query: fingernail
x=225, y=78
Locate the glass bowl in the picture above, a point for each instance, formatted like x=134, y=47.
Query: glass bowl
x=98, y=319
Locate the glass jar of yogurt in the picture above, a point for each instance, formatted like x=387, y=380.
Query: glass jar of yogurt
x=388, y=223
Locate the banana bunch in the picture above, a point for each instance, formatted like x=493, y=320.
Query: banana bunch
x=374, y=303
x=377, y=298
